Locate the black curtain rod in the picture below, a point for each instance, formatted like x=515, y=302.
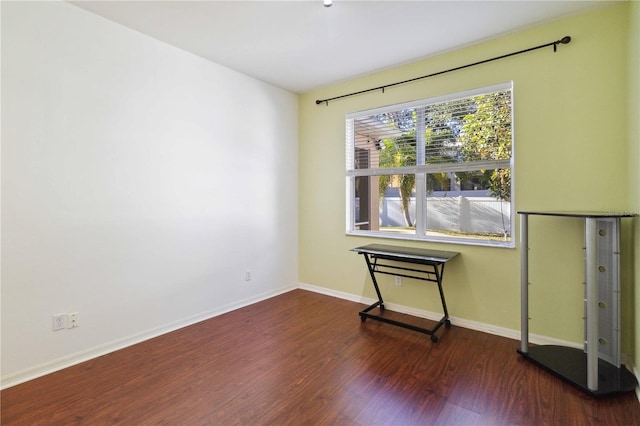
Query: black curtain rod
x=563, y=40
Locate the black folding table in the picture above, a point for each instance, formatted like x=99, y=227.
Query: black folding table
x=393, y=260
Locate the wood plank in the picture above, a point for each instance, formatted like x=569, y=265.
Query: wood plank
x=305, y=358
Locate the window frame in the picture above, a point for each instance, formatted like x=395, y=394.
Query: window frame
x=422, y=170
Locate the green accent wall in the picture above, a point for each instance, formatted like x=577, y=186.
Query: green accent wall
x=634, y=171
x=573, y=141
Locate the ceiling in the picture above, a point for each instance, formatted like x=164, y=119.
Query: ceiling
x=302, y=45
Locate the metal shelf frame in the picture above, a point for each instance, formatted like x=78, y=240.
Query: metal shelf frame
x=378, y=256
x=596, y=369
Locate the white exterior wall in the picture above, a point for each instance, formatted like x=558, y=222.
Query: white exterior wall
x=465, y=214
x=116, y=149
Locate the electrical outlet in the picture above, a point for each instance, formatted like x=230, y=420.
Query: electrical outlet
x=59, y=322
x=247, y=275
x=72, y=320
x=398, y=280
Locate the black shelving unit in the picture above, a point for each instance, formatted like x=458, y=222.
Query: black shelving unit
x=596, y=368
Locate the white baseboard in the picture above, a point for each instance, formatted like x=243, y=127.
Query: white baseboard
x=461, y=322
x=473, y=325
x=97, y=351
x=436, y=316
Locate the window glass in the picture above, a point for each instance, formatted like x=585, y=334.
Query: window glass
x=455, y=150
x=473, y=213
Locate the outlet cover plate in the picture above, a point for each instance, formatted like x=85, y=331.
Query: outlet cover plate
x=59, y=322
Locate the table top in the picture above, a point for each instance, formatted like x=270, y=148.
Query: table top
x=407, y=252
x=601, y=214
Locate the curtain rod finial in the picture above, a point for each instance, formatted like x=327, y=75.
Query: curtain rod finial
x=563, y=40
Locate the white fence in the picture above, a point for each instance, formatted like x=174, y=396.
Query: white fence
x=463, y=214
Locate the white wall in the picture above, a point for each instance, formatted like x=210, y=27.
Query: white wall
x=116, y=150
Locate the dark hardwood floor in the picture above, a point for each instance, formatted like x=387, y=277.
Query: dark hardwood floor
x=306, y=359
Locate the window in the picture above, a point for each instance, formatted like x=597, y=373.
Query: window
x=437, y=169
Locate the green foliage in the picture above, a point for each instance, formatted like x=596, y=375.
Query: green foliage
x=486, y=135
x=399, y=152
x=437, y=180
x=472, y=129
